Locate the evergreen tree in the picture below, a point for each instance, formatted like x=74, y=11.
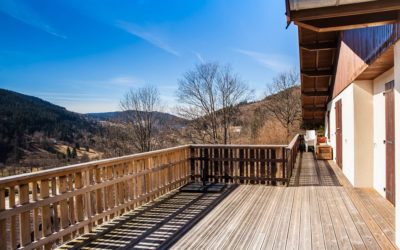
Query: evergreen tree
x=74, y=153
x=69, y=153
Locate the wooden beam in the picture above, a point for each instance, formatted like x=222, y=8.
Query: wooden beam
x=317, y=73
x=313, y=108
x=319, y=46
x=350, y=22
x=315, y=93
x=345, y=10
x=306, y=119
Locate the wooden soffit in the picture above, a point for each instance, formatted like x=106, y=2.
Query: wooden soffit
x=349, y=14
x=317, y=67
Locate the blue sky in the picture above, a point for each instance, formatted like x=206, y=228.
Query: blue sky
x=85, y=54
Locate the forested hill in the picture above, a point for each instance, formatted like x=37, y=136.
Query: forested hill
x=31, y=128
x=23, y=115
x=123, y=117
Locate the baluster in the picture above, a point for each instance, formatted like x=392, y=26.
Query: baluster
x=3, y=222
x=13, y=219
x=99, y=195
x=110, y=190
x=79, y=200
x=24, y=218
x=241, y=165
x=55, y=205
x=35, y=212
x=46, y=213
x=88, y=201
x=64, y=220
x=71, y=202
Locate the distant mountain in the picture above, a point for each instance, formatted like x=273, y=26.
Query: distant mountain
x=22, y=115
x=123, y=116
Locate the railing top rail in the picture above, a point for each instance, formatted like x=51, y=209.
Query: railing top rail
x=236, y=146
x=293, y=142
x=4, y=181
x=49, y=173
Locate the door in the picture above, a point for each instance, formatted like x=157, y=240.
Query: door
x=389, y=141
x=339, y=134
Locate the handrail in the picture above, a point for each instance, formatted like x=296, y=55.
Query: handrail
x=237, y=146
x=293, y=142
x=76, y=167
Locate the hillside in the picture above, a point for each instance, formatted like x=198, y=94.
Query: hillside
x=260, y=128
x=22, y=116
x=37, y=133
x=123, y=116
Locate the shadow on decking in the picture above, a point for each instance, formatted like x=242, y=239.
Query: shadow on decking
x=311, y=172
x=156, y=225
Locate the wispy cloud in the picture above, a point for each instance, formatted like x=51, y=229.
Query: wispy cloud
x=117, y=81
x=273, y=62
x=27, y=15
x=147, y=35
x=199, y=57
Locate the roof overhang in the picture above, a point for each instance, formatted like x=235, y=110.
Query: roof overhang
x=320, y=23
x=326, y=15
x=317, y=64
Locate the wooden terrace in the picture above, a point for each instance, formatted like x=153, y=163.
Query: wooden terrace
x=275, y=198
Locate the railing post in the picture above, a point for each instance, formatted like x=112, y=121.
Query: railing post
x=3, y=223
x=13, y=226
x=192, y=164
x=205, y=166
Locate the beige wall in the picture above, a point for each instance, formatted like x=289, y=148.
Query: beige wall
x=363, y=134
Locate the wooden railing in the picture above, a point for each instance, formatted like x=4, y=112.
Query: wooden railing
x=47, y=208
x=244, y=164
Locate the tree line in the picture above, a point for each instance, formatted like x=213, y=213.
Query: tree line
x=210, y=96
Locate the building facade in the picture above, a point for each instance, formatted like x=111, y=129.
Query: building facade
x=350, y=81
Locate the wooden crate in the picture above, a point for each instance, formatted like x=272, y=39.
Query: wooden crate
x=324, y=152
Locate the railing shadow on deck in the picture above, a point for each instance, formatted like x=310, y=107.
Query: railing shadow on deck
x=312, y=172
x=47, y=208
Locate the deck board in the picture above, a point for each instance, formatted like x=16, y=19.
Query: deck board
x=320, y=210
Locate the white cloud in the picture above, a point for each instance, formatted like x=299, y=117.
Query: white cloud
x=27, y=15
x=272, y=62
x=199, y=57
x=149, y=36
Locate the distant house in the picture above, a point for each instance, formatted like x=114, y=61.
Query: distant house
x=350, y=82
x=235, y=129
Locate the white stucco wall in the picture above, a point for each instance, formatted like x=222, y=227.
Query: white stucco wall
x=347, y=97
x=380, y=131
x=397, y=136
x=357, y=126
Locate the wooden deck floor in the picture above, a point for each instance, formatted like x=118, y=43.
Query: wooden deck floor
x=321, y=210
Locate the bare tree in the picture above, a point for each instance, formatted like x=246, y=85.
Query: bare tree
x=210, y=95
x=141, y=105
x=232, y=91
x=284, y=102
